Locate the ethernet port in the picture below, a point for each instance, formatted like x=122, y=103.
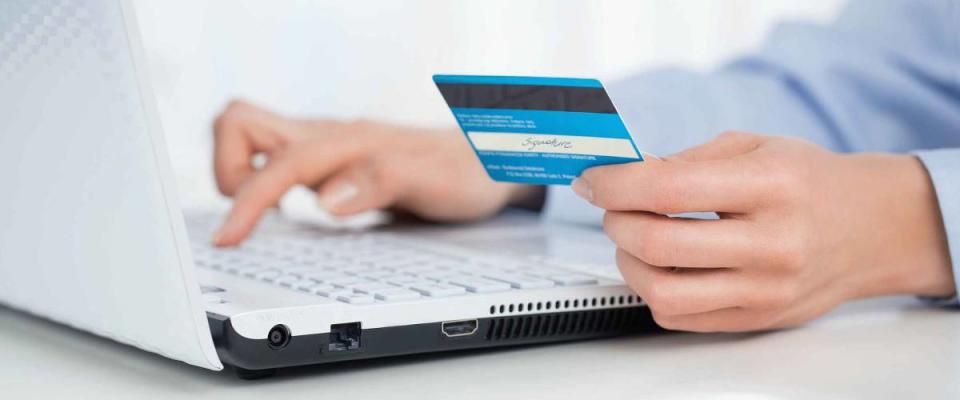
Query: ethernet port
x=344, y=337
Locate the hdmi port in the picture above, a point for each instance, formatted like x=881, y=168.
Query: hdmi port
x=459, y=328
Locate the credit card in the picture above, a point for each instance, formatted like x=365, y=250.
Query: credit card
x=541, y=131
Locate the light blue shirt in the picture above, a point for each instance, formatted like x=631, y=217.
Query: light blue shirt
x=885, y=76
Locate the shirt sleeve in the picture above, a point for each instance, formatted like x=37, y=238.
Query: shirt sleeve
x=884, y=76
x=943, y=165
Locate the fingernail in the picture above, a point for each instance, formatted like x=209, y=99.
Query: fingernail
x=337, y=196
x=218, y=238
x=228, y=228
x=650, y=156
x=582, y=189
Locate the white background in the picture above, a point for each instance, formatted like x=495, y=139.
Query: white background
x=374, y=59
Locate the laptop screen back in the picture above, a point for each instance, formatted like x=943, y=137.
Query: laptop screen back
x=90, y=231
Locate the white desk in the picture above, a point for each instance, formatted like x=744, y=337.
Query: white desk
x=892, y=348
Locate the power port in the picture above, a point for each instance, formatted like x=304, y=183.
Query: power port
x=344, y=337
x=278, y=337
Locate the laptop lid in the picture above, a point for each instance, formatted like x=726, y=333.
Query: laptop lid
x=91, y=234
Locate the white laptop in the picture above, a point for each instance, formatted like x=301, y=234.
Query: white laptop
x=92, y=236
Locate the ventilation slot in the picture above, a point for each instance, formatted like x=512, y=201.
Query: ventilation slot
x=565, y=324
x=565, y=304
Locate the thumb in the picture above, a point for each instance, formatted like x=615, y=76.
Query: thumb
x=353, y=190
x=725, y=145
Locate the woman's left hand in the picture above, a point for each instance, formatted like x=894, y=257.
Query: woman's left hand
x=801, y=230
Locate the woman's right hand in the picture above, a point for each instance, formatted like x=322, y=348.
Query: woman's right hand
x=354, y=167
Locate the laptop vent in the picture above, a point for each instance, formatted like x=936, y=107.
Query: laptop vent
x=566, y=304
x=565, y=324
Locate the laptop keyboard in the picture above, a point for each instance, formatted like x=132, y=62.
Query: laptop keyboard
x=373, y=267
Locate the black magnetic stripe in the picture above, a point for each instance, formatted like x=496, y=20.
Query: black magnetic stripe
x=527, y=97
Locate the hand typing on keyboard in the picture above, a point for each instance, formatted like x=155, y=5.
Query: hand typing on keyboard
x=371, y=267
x=355, y=167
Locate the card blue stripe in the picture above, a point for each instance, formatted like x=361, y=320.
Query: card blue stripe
x=517, y=80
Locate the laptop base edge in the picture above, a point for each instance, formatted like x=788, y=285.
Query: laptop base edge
x=259, y=358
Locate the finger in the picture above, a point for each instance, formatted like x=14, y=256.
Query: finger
x=725, y=145
x=356, y=189
x=733, y=319
x=240, y=132
x=672, y=187
x=682, y=242
x=312, y=161
x=259, y=193
x=687, y=291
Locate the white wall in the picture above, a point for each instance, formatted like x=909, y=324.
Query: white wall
x=374, y=59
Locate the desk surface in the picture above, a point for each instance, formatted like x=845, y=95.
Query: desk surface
x=893, y=348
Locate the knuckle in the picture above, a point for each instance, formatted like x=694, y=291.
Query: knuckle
x=658, y=298
x=615, y=227
x=231, y=114
x=624, y=259
x=781, y=298
x=787, y=180
x=790, y=254
x=629, y=270
x=609, y=225
x=652, y=245
x=236, y=105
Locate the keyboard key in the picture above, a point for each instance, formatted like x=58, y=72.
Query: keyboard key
x=440, y=274
x=287, y=280
x=356, y=298
x=407, y=280
x=479, y=285
x=396, y=294
x=269, y=275
x=324, y=276
x=211, y=289
x=212, y=298
x=370, y=287
x=299, y=269
x=304, y=284
x=519, y=281
x=347, y=281
x=439, y=290
x=376, y=274
x=330, y=291
x=573, y=279
x=248, y=271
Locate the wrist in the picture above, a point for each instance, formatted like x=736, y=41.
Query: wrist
x=910, y=254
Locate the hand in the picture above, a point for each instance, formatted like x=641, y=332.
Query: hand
x=801, y=230
x=354, y=166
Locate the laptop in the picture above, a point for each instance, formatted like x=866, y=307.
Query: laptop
x=92, y=235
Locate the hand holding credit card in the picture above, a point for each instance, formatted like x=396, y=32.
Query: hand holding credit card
x=541, y=131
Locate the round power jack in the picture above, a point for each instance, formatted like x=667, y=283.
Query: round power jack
x=278, y=337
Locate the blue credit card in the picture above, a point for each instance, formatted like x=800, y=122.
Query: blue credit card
x=542, y=131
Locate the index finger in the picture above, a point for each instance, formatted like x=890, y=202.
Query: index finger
x=670, y=187
x=260, y=192
x=311, y=162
